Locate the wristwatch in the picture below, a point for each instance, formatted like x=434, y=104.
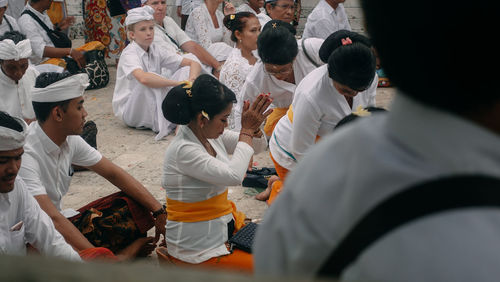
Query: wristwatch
x=163, y=210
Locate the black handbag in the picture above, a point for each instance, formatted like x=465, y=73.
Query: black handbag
x=243, y=239
x=58, y=38
x=96, y=68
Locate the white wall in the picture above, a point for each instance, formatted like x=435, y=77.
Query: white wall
x=352, y=7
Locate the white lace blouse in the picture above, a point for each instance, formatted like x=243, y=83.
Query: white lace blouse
x=201, y=29
x=233, y=75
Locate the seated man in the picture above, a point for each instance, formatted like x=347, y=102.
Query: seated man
x=175, y=40
x=53, y=145
x=34, y=23
x=140, y=89
x=21, y=220
x=442, y=124
x=17, y=77
x=7, y=23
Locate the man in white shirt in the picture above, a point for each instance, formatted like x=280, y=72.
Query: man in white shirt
x=53, y=144
x=174, y=39
x=283, y=10
x=17, y=77
x=42, y=46
x=21, y=219
x=440, y=125
x=326, y=18
x=7, y=23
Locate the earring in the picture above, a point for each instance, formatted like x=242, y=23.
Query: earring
x=240, y=41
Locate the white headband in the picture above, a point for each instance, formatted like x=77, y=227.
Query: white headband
x=12, y=139
x=142, y=1
x=140, y=14
x=3, y=3
x=64, y=89
x=11, y=51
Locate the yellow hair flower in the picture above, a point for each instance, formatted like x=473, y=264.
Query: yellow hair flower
x=232, y=17
x=188, y=83
x=360, y=112
x=203, y=113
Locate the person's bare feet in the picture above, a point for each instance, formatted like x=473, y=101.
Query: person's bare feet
x=140, y=247
x=264, y=195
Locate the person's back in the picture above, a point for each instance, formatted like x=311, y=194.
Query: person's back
x=438, y=127
x=326, y=18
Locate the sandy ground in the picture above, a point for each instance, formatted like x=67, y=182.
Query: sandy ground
x=139, y=154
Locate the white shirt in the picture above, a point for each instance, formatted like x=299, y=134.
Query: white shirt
x=324, y=20
x=262, y=16
x=171, y=28
x=191, y=174
x=362, y=164
x=15, y=8
x=233, y=75
x=36, y=227
x=4, y=26
x=145, y=108
x=188, y=5
x=259, y=81
x=201, y=29
x=46, y=168
x=317, y=108
x=35, y=33
x=16, y=97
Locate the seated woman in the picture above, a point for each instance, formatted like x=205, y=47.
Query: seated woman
x=205, y=27
x=198, y=169
x=323, y=98
x=245, y=29
x=285, y=62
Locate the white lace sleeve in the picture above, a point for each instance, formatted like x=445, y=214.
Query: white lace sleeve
x=233, y=75
x=201, y=23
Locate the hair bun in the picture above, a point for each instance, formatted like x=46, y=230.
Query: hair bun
x=334, y=40
x=176, y=106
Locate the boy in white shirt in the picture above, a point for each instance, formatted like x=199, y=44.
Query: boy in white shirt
x=21, y=219
x=140, y=89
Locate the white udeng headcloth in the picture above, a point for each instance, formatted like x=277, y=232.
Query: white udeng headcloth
x=11, y=139
x=64, y=89
x=11, y=51
x=3, y=3
x=140, y=14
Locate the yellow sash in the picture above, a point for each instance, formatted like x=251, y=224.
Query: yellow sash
x=204, y=210
x=93, y=45
x=273, y=119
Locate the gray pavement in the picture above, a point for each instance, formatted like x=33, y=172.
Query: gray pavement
x=139, y=154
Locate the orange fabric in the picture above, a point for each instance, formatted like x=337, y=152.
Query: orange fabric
x=273, y=119
x=93, y=45
x=237, y=261
x=56, y=12
x=278, y=184
x=97, y=254
x=204, y=210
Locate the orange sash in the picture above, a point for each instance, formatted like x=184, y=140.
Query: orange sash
x=273, y=119
x=204, y=210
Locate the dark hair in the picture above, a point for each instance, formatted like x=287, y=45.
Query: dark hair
x=42, y=109
x=277, y=44
x=430, y=60
x=352, y=117
x=238, y=22
x=352, y=64
x=14, y=35
x=8, y=121
x=207, y=94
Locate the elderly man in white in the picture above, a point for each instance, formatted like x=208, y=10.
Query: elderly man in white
x=17, y=77
x=21, y=218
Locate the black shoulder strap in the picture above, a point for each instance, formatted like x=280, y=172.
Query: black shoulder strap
x=40, y=22
x=307, y=55
x=413, y=203
x=8, y=23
